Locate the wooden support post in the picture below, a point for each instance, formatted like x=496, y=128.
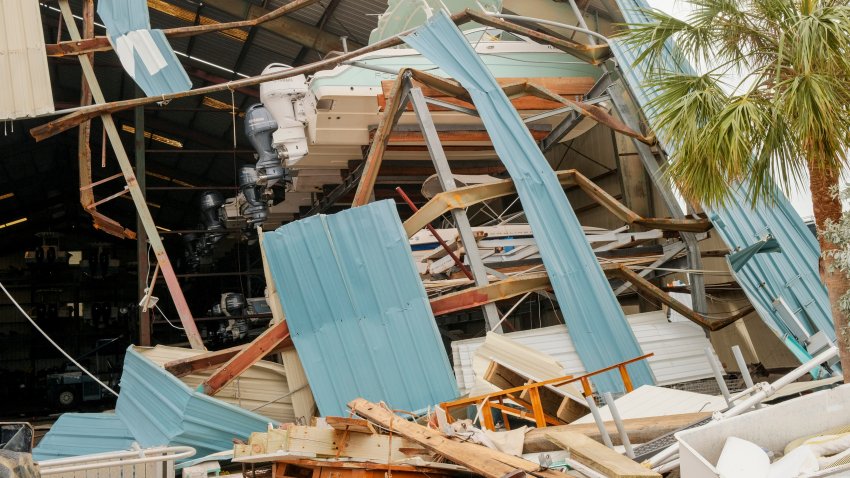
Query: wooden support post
x=537, y=407
x=487, y=415
x=84, y=147
x=246, y=357
x=183, y=311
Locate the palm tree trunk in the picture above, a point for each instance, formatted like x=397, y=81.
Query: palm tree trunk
x=827, y=207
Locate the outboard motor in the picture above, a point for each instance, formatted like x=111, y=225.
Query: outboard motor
x=210, y=204
x=259, y=126
x=290, y=103
x=232, y=304
x=254, y=209
x=191, y=254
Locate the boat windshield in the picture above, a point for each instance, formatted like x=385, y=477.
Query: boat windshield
x=487, y=34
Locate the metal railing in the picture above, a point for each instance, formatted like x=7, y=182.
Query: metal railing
x=156, y=462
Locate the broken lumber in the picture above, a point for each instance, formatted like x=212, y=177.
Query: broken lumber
x=356, y=425
x=335, y=443
x=599, y=457
x=251, y=354
x=199, y=363
x=480, y=459
x=640, y=430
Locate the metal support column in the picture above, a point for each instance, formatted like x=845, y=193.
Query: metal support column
x=627, y=110
x=447, y=181
x=141, y=236
x=133, y=185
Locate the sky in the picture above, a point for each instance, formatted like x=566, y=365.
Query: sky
x=679, y=8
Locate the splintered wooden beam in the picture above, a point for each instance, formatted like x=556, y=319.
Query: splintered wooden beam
x=208, y=360
x=91, y=45
x=243, y=359
x=478, y=458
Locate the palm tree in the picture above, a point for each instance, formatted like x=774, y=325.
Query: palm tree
x=786, y=114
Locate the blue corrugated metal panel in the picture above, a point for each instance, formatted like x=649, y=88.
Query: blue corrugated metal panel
x=155, y=67
x=595, y=320
x=791, y=274
x=160, y=409
x=76, y=434
x=154, y=408
x=357, y=310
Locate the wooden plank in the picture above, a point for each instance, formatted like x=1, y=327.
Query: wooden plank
x=598, y=456
x=480, y=459
x=256, y=350
x=640, y=430
x=356, y=425
x=206, y=361
x=360, y=446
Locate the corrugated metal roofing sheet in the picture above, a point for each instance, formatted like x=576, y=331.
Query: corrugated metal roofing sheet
x=82, y=434
x=791, y=274
x=357, y=310
x=23, y=61
x=596, y=322
x=678, y=349
x=157, y=409
x=145, y=54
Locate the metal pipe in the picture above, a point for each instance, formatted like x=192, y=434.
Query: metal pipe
x=541, y=21
x=594, y=410
x=436, y=235
x=742, y=366
x=765, y=391
x=618, y=421
x=718, y=374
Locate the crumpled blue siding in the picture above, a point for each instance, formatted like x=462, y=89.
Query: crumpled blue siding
x=84, y=434
x=357, y=310
x=594, y=318
x=154, y=408
x=124, y=16
x=791, y=274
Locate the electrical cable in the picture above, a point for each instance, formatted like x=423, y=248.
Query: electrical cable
x=166, y=318
x=83, y=369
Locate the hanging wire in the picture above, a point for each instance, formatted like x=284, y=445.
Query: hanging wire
x=166, y=318
x=83, y=369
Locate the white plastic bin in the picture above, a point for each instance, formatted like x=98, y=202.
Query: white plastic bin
x=771, y=428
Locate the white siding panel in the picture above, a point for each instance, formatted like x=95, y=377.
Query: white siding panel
x=23, y=61
x=678, y=348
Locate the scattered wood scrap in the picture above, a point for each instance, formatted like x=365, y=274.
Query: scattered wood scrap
x=482, y=460
x=599, y=457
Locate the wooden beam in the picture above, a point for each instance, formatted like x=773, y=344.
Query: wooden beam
x=206, y=361
x=599, y=457
x=640, y=430
x=479, y=459
x=242, y=360
x=90, y=45
x=556, y=403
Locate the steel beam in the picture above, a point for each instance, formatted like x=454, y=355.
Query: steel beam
x=625, y=106
x=447, y=181
x=481, y=295
x=138, y=197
